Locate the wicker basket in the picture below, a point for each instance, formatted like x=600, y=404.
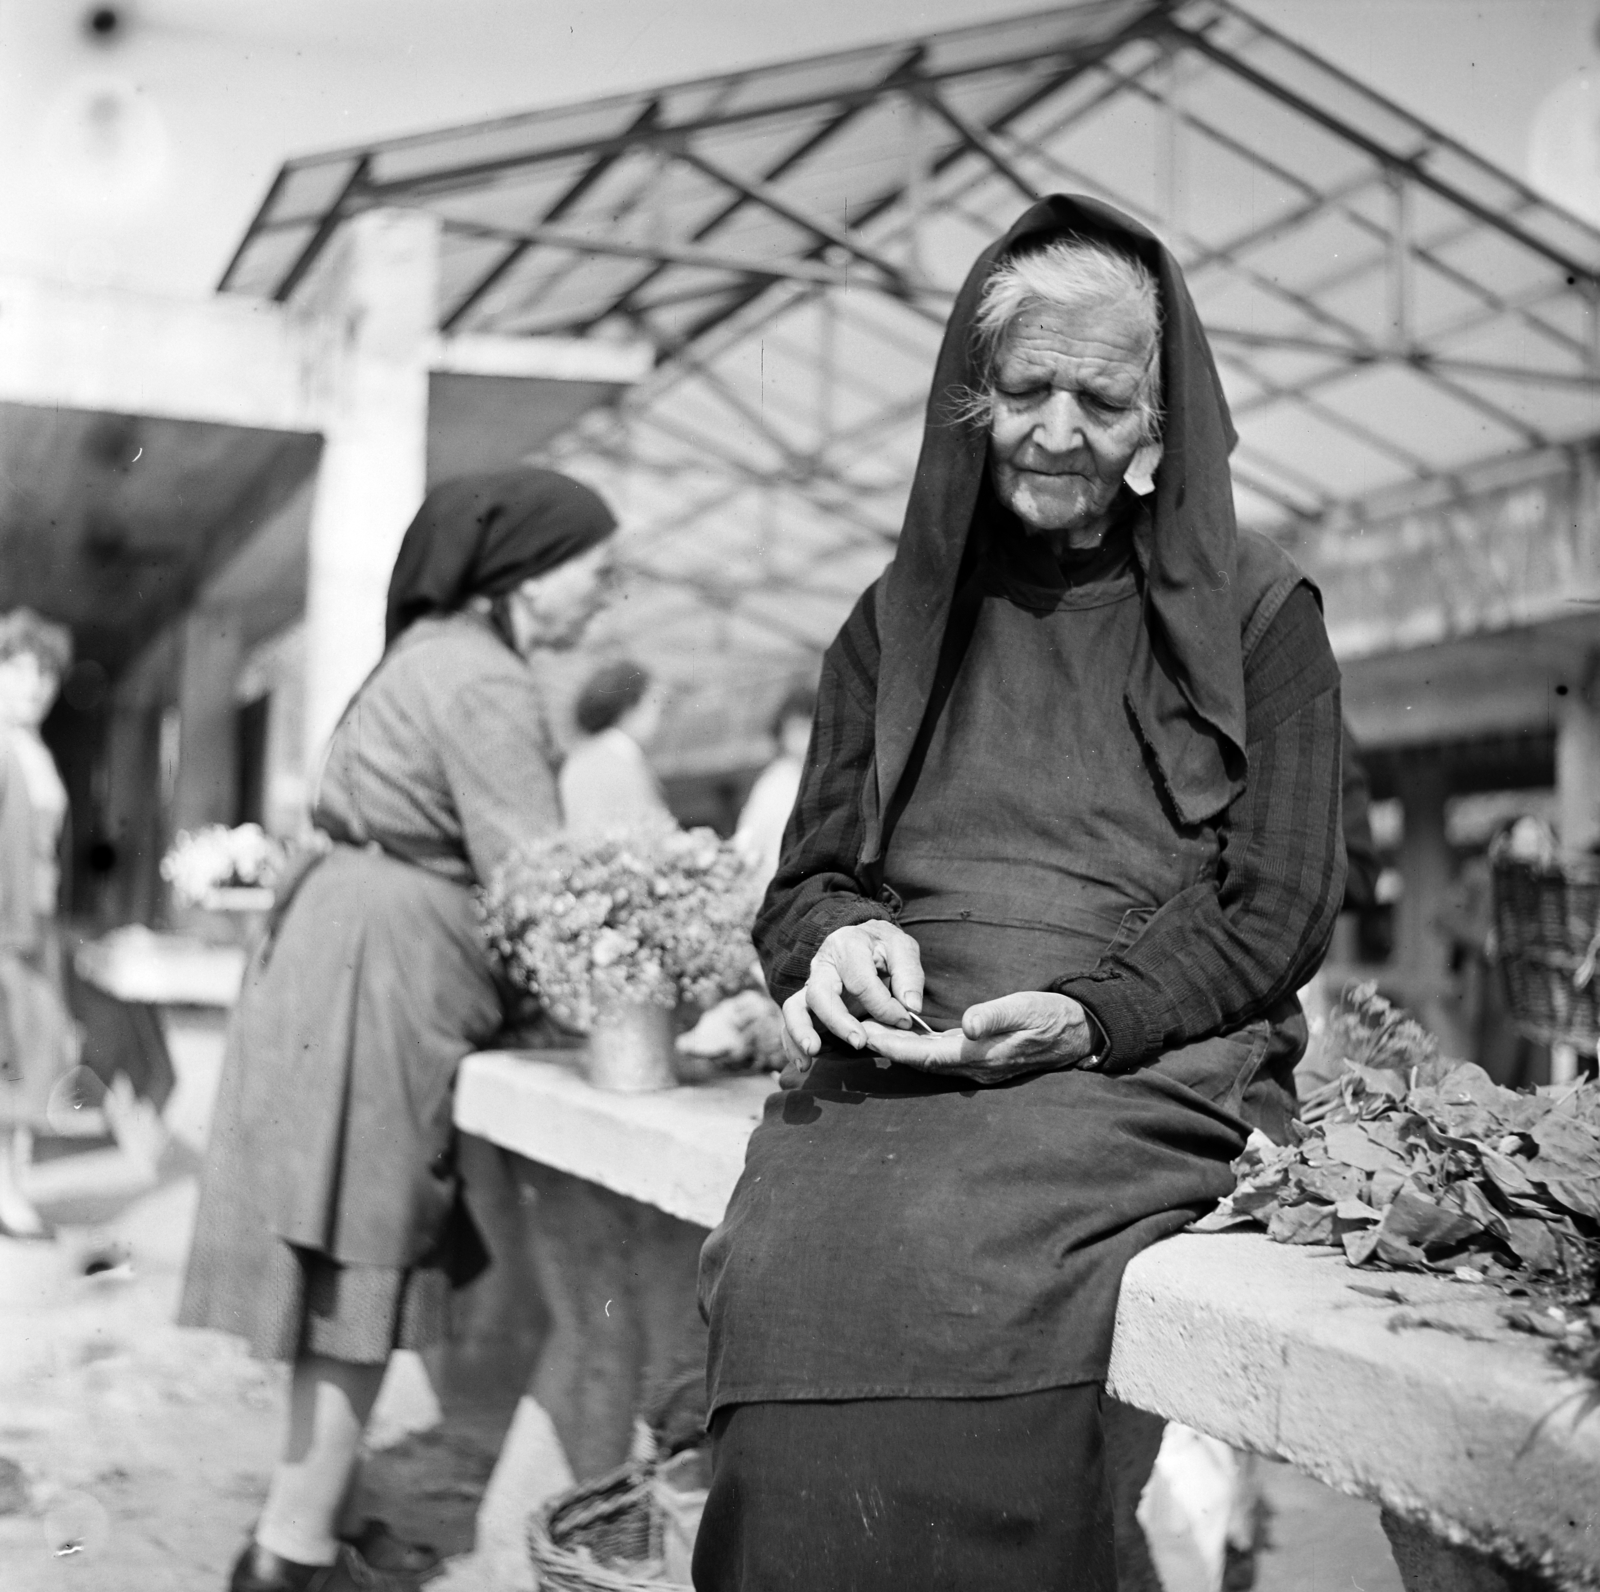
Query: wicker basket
x=1547, y=942
x=602, y=1536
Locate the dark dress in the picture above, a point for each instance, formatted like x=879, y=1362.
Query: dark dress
x=330, y=1219
x=1001, y=1216
x=917, y=1277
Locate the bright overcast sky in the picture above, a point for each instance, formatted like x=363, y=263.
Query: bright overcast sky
x=215, y=93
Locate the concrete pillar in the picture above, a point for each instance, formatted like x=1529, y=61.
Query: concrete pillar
x=206, y=790
x=1578, y=758
x=133, y=810
x=137, y=809
x=286, y=813
x=379, y=289
x=1425, y=866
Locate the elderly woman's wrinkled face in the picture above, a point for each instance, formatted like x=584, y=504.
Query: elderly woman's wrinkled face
x=27, y=689
x=1067, y=418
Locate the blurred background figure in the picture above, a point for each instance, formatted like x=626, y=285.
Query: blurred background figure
x=606, y=781
x=744, y=1029
x=1466, y=922
x=759, y=836
x=39, y=1043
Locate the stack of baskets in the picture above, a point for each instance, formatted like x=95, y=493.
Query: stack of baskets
x=630, y=1530
x=1547, y=941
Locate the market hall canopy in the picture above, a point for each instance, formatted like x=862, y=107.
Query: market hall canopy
x=1387, y=308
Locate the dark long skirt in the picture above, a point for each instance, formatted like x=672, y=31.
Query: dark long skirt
x=330, y=1215
x=896, y=1234
x=1035, y=1492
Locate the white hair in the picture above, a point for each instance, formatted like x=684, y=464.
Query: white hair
x=1078, y=276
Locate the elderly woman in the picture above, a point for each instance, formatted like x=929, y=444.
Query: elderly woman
x=1073, y=798
x=38, y=1041
x=331, y=1226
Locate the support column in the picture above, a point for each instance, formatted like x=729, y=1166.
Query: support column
x=379, y=287
x=1578, y=759
x=1421, y=951
x=206, y=790
x=1577, y=794
x=133, y=809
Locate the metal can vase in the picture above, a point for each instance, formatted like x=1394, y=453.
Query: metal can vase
x=630, y=1048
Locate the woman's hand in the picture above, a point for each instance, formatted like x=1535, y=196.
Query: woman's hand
x=845, y=973
x=1031, y=1031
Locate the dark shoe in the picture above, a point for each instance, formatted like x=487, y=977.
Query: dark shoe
x=257, y=1570
x=1238, y=1569
x=383, y=1550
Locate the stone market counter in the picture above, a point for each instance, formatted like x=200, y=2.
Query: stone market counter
x=142, y=966
x=680, y=1150
x=1396, y=1387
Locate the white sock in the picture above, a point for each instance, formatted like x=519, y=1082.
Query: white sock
x=16, y=1209
x=329, y=1401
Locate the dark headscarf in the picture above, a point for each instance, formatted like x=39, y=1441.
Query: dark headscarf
x=1186, y=685
x=483, y=535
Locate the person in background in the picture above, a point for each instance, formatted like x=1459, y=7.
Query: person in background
x=740, y=1029
x=606, y=782
x=759, y=835
x=331, y=1226
x=1466, y=919
x=39, y=1042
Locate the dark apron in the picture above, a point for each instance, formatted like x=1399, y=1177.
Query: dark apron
x=896, y=1234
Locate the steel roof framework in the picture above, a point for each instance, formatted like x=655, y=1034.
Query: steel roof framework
x=1387, y=308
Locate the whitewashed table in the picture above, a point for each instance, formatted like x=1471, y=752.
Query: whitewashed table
x=1461, y=1429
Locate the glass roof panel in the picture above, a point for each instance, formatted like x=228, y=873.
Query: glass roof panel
x=1385, y=306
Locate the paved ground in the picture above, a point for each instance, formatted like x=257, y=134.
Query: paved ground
x=144, y=1451
x=1321, y=1541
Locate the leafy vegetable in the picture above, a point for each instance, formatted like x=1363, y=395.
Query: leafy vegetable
x=1420, y=1162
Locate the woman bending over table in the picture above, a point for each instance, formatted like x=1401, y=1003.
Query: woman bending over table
x=331, y=1226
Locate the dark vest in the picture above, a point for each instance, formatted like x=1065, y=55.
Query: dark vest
x=1035, y=840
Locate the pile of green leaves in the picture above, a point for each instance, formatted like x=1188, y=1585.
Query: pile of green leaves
x=1419, y=1162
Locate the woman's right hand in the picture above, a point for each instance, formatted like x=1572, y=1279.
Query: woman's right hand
x=848, y=971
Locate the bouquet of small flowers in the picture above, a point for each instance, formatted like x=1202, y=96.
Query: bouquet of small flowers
x=205, y=862
x=655, y=916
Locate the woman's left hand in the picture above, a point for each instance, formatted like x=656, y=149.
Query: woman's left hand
x=1031, y=1031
